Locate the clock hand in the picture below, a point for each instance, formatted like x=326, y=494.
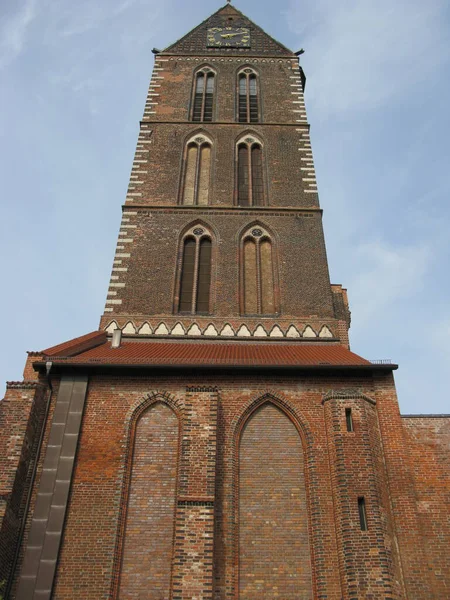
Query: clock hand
x=229, y=35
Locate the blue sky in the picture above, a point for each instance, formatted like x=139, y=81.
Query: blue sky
x=74, y=76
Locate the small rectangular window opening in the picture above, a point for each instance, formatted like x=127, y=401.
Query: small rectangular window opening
x=349, y=419
x=362, y=513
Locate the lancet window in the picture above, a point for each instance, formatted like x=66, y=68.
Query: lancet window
x=196, y=172
x=258, y=273
x=194, y=287
x=203, y=103
x=248, y=96
x=250, y=182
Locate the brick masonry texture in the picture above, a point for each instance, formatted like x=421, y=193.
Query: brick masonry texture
x=216, y=482
x=429, y=443
x=151, y=505
x=160, y=174
x=338, y=467
x=150, y=280
x=21, y=419
x=273, y=514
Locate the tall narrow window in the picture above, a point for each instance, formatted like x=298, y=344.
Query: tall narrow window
x=202, y=108
x=195, y=189
x=195, y=275
x=248, y=105
x=349, y=419
x=250, y=184
x=258, y=279
x=362, y=513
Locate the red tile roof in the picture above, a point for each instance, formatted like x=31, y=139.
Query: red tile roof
x=185, y=353
x=77, y=345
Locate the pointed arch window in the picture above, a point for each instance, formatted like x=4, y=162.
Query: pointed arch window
x=195, y=272
x=196, y=172
x=204, y=85
x=248, y=96
x=258, y=273
x=250, y=181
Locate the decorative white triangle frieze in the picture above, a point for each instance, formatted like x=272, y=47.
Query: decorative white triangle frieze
x=292, y=332
x=211, y=330
x=194, y=330
x=260, y=332
x=276, y=332
x=112, y=327
x=309, y=332
x=129, y=329
x=325, y=332
x=227, y=331
x=178, y=330
x=244, y=331
x=161, y=329
x=145, y=329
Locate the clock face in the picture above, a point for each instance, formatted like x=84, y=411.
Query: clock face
x=229, y=37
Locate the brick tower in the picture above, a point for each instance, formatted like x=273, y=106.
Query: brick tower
x=216, y=438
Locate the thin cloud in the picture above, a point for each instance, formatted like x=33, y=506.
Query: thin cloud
x=384, y=274
x=361, y=52
x=124, y=6
x=83, y=17
x=440, y=336
x=14, y=32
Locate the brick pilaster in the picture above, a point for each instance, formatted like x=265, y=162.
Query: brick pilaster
x=366, y=562
x=194, y=530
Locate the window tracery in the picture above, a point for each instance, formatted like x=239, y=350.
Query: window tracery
x=195, y=272
x=203, y=102
x=250, y=181
x=196, y=171
x=258, y=273
x=248, y=96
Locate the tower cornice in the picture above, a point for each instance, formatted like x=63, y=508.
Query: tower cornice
x=214, y=208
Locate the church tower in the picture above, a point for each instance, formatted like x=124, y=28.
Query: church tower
x=216, y=438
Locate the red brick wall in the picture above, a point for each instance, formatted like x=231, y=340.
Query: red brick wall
x=21, y=420
x=274, y=553
x=151, y=506
x=409, y=535
x=428, y=440
x=376, y=460
x=91, y=551
x=365, y=556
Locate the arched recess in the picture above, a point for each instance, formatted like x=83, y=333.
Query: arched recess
x=147, y=522
x=250, y=187
x=273, y=547
x=194, y=272
x=259, y=288
x=196, y=171
x=248, y=96
x=204, y=85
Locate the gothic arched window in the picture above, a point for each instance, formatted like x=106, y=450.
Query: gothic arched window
x=202, y=106
x=258, y=274
x=248, y=100
x=250, y=183
x=196, y=172
x=194, y=287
